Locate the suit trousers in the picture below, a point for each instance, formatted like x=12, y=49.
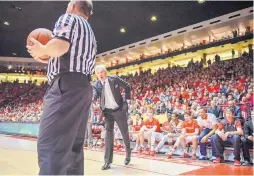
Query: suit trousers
x=120, y=116
x=63, y=125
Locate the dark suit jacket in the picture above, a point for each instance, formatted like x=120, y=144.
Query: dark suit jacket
x=115, y=83
x=217, y=111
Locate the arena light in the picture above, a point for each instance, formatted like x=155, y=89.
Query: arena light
x=122, y=30
x=16, y=7
x=201, y=1
x=6, y=23
x=153, y=18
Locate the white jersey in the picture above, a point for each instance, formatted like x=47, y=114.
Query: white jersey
x=207, y=123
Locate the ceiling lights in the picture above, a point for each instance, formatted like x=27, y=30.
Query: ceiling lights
x=201, y=1
x=19, y=8
x=15, y=7
x=153, y=18
x=6, y=23
x=122, y=30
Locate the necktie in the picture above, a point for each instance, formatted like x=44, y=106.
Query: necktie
x=103, y=96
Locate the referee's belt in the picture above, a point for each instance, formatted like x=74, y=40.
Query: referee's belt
x=89, y=77
x=111, y=110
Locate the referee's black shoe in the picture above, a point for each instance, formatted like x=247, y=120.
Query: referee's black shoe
x=127, y=161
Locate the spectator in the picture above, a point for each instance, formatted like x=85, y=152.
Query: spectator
x=216, y=110
x=236, y=109
x=233, y=53
x=161, y=109
x=209, y=62
x=194, y=109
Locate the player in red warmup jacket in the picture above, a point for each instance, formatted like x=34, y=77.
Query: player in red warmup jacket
x=150, y=125
x=172, y=130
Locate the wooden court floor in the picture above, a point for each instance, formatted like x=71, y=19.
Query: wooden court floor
x=19, y=157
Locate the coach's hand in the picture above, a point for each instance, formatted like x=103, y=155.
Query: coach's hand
x=36, y=50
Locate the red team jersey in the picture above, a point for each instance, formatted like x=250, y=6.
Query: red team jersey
x=153, y=123
x=167, y=126
x=190, y=127
x=137, y=125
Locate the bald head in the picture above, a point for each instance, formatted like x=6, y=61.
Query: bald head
x=86, y=7
x=81, y=8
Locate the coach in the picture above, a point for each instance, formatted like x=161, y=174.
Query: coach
x=107, y=88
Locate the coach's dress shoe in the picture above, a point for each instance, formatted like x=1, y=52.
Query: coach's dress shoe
x=127, y=161
x=106, y=166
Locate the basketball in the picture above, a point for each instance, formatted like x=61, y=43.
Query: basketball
x=42, y=35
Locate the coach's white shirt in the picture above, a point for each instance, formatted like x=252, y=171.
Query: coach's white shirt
x=110, y=102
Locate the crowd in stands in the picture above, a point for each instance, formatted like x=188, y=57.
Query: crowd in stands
x=171, y=90
x=4, y=69
x=25, y=108
x=11, y=90
x=177, y=89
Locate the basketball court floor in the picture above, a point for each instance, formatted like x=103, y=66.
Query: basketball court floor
x=18, y=156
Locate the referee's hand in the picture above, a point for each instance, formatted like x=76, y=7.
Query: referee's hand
x=36, y=50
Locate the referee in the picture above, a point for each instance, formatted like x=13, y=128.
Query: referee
x=68, y=98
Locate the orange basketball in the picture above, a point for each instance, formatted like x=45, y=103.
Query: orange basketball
x=42, y=35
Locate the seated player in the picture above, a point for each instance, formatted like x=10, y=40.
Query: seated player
x=229, y=131
x=150, y=125
x=171, y=129
x=208, y=125
x=247, y=141
x=135, y=128
x=190, y=131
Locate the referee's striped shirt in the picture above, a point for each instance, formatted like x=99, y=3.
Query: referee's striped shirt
x=81, y=55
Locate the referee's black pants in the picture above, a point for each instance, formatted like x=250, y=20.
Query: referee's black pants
x=63, y=125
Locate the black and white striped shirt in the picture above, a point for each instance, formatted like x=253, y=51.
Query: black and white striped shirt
x=81, y=55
